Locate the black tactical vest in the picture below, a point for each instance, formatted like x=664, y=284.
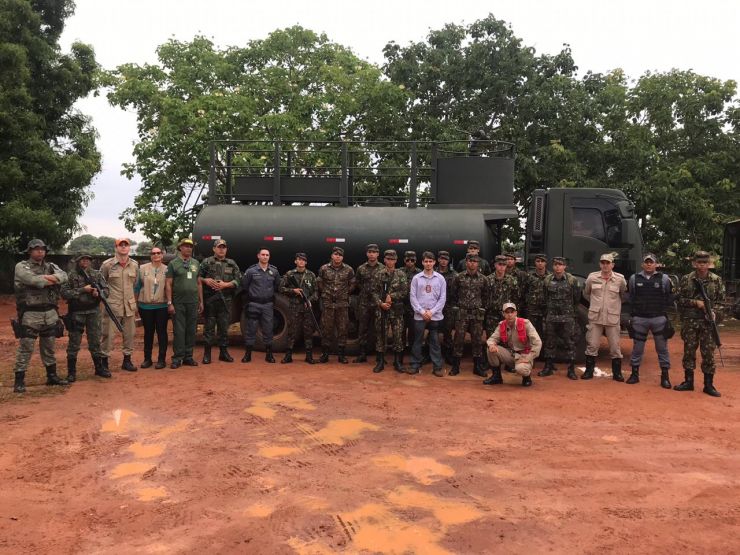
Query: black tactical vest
x=650, y=298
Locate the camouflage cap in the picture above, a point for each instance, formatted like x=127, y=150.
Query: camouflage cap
x=443, y=255
x=337, y=250
x=409, y=255
x=473, y=243
x=218, y=243
x=83, y=255
x=510, y=255
x=500, y=259
x=472, y=257
x=701, y=256
x=559, y=260
x=302, y=256
x=372, y=247
x=540, y=257
x=650, y=256
x=390, y=253
x=507, y=306
x=36, y=244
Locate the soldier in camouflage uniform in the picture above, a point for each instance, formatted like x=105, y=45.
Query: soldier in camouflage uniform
x=502, y=288
x=562, y=295
x=296, y=284
x=365, y=313
x=521, y=279
x=535, y=301
x=83, y=314
x=484, y=267
x=389, y=291
x=37, y=283
x=219, y=279
x=449, y=273
x=470, y=288
x=410, y=269
x=696, y=330
x=335, y=281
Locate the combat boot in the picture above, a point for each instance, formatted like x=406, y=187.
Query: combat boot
x=526, y=381
x=268, y=355
x=709, y=386
x=572, y=370
x=309, y=356
x=634, y=376
x=20, y=382
x=478, y=369
x=341, y=358
x=495, y=378
x=52, y=378
x=223, y=355
x=398, y=362
x=100, y=370
x=665, y=381
x=688, y=381
x=455, y=368
x=206, y=355
x=161, y=363
x=379, y=362
x=617, y=370
x=324, y=358
x=147, y=362
x=362, y=357
x=548, y=370
x=247, y=354
x=288, y=358
x=127, y=364
x=447, y=354
x=439, y=372
x=104, y=363
x=590, y=367
x=71, y=369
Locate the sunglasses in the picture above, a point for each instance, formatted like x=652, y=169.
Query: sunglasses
x=155, y=252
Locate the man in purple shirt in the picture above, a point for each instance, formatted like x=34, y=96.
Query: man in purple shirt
x=428, y=295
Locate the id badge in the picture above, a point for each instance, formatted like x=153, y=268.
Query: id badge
x=190, y=275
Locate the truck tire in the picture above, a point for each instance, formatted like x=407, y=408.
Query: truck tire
x=279, y=326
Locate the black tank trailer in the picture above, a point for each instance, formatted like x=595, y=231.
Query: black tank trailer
x=281, y=198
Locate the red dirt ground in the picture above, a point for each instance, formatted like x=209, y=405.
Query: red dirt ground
x=260, y=458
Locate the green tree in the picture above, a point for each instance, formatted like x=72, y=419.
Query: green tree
x=47, y=148
x=92, y=244
x=294, y=85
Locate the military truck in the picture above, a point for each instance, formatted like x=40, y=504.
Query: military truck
x=731, y=266
x=307, y=197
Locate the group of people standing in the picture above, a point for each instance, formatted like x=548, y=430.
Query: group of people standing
x=430, y=309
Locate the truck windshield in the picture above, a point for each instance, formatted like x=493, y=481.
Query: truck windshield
x=602, y=223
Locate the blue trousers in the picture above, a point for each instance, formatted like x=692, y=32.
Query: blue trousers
x=641, y=327
x=261, y=313
x=435, y=353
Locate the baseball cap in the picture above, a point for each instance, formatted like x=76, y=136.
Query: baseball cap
x=409, y=255
x=372, y=247
x=443, y=254
x=508, y=305
x=559, y=260
x=122, y=240
x=540, y=257
x=701, y=255
x=185, y=241
x=474, y=243
x=472, y=257
x=219, y=242
x=609, y=257
x=390, y=253
x=337, y=250
x=650, y=256
x=500, y=259
x=302, y=256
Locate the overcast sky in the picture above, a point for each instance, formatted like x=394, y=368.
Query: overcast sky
x=636, y=36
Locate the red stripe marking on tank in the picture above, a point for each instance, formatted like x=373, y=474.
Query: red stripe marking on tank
x=272, y=238
x=206, y=237
x=460, y=242
x=335, y=239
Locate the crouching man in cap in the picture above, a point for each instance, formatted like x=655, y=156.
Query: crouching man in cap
x=515, y=343
x=299, y=285
x=37, y=283
x=83, y=314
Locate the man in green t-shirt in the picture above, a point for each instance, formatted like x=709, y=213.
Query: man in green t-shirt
x=185, y=301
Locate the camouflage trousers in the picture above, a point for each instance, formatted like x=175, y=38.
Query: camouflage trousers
x=697, y=334
x=538, y=321
x=446, y=327
x=365, y=325
x=85, y=322
x=474, y=326
x=491, y=322
x=408, y=325
x=334, y=326
x=395, y=322
x=563, y=331
x=217, y=320
x=300, y=319
x=41, y=325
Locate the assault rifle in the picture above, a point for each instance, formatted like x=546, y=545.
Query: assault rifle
x=309, y=308
x=109, y=311
x=709, y=316
x=384, y=313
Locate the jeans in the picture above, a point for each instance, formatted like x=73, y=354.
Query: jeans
x=435, y=353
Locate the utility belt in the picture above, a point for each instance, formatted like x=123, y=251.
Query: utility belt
x=39, y=308
x=475, y=313
x=266, y=300
x=20, y=331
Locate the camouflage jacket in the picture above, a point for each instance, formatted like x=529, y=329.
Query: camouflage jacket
x=364, y=281
x=293, y=279
x=74, y=292
x=393, y=283
x=220, y=270
x=535, y=299
x=688, y=292
x=470, y=290
x=31, y=289
x=409, y=273
x=561, y=297
x=449, y=275
x=500, y=291
x=334, y=285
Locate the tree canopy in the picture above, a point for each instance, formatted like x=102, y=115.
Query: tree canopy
x=92, y=245
x=48, y=155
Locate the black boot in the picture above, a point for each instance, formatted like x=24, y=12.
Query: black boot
x=548, y=370
x=71, y=369
x=147, y=362
x=709, y=386
x=309, y=356
x=206, y=354
x=590, y=367
x=572, y=370
x=665, y=381
x=268, y=355
x=161, y=362
x=127, y=364
x=223, y=355
x=379, y=362
x=478, y=369
x=341, y=358
x=527, y=381
x=288, y=358
x=247, y=354
x=688, y=381
x=455, y=369
x=100, y=370
x=617, y=370
x=20, y=382
x=52, y=378
x=447, y=354
x=104, y=363
x=634, y=376
x=495, y=377
x=362, y=357
x=324, y=358
x=398, y=362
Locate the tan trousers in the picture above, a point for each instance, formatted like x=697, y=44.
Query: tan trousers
x=110, y=331
x=521, y=362
x=593, y=339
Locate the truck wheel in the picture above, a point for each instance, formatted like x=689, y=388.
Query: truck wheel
x=279, y=326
